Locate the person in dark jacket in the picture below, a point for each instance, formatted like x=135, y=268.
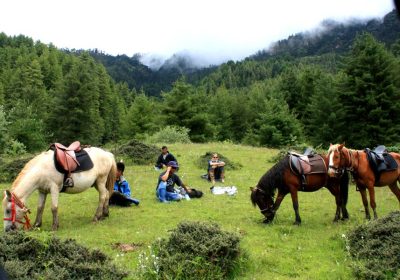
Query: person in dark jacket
x=164, y=158
x=167, y=180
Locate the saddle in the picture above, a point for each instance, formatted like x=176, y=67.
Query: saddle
x=380, y=161
x=306, y=164
x=66, y=157
x=69, y=160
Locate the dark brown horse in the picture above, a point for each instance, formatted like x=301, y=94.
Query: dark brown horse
x=281, y=178
x=356, y=161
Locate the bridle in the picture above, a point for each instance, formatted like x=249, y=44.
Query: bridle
x=349, y=167
x=16, y=201
x=268, y=209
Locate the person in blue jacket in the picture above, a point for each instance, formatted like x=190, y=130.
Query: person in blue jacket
x=122, y=191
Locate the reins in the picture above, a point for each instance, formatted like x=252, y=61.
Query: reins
x=16, y=201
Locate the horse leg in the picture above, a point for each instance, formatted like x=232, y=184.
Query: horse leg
x=103, y=197
x=395, y=189
x=278, y=200
x=335, y=192
x=106, y=204
x=372, y=201
x=364, y=198
x=296, y=207
x=40, y=208
x=54, y=206
x=344, y=194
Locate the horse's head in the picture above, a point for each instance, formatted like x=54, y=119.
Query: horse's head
x=265, y=202
x=336, y=160
x=15, y=212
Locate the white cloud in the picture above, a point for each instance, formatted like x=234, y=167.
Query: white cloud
x=218, y=29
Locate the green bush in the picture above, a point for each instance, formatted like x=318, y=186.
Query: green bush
x=194, y=250
x=170, y=135
x=136, y=152
x=10, y=168
x=375, y=248
x=393, y=149
x=24, y=257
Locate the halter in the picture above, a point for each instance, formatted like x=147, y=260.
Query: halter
x=351, y=163
x=16, y=201
x=265, y=209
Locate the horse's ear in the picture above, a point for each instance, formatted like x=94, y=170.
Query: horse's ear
x=340, y=146
x=7, y=194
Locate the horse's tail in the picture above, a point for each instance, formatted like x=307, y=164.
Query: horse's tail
x=344, y=187
x=111, y=177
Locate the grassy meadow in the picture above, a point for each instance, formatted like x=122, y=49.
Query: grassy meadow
x=314, y=250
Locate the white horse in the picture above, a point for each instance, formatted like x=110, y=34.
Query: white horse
x=41, y=174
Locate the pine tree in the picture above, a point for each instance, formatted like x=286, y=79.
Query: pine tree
x=370, y=95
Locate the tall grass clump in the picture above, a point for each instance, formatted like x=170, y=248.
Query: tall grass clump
x=375, y=248
x=194, y=250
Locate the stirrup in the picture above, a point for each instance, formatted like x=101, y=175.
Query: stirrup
x=68, y=183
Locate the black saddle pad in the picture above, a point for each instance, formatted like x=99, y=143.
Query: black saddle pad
x=380, y=163
x=85, y=162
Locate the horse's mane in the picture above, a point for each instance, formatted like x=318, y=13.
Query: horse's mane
x=274, y=178
x=25, y=169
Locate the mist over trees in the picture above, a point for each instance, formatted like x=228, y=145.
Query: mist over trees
x=49, y=95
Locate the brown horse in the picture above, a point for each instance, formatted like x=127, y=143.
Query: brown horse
x=356, y=161
x=282, y=178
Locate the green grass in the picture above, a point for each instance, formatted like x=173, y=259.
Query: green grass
x=314, y=250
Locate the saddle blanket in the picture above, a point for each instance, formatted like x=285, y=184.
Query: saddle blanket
x=230, y=190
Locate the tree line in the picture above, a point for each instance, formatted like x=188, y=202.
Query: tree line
x=50, y=95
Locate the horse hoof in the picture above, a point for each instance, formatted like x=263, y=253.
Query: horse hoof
x=267, y=221
x=297, y=223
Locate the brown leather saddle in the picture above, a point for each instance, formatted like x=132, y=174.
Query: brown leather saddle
x=70, y=159
x=66, y=156
x=306, y=164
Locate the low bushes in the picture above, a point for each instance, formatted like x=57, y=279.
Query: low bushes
x=194, y=250
x=10, y=168
x=137, y=152
x=26, y=258
x=375, y=248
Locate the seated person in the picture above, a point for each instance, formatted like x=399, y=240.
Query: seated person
x=122, y=192
x=164, y=158
x=165, y=190
x=216, y=169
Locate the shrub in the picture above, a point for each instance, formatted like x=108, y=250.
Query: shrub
x=393, y=149
x=375, y=247
x=25, y=257
x=194, y=250
x=170, y=135
x=10, y=168
x=137, y=152
x=16, y=148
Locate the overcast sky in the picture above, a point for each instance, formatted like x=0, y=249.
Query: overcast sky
x=215, y=29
